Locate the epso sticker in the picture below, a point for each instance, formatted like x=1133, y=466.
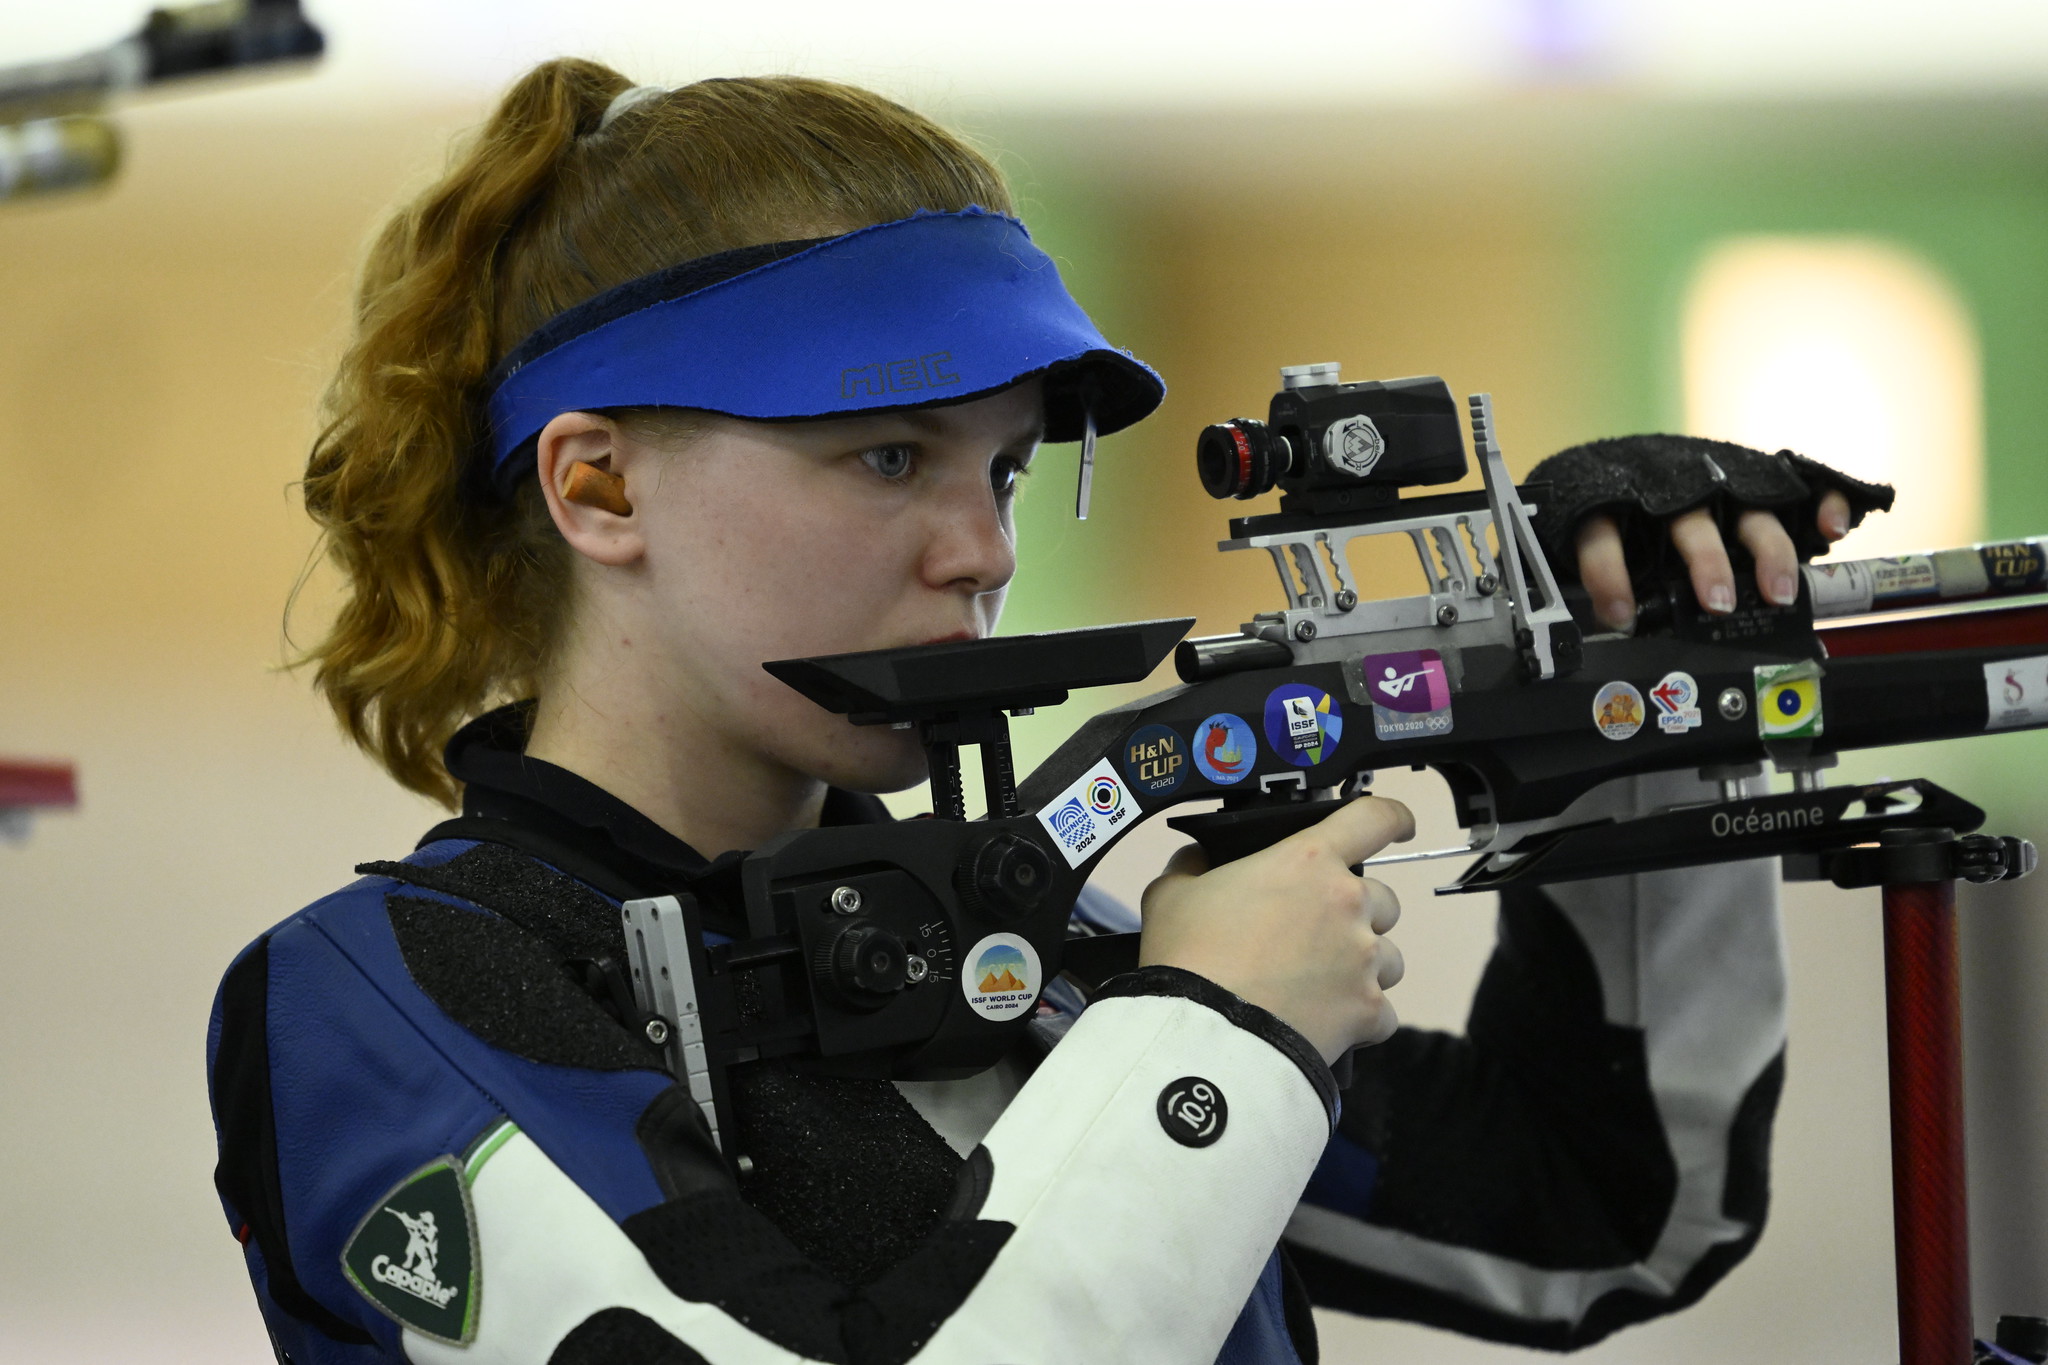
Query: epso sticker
x=2016, y=693
x=1411, y=694
x=1618, y=710
x=1080, y=818
x=1225, y=749
x=1303, y=724
x=1155, y=760
x=1001, y=979
x=1839, y=589
x=1677, y=699
x=1788, y=703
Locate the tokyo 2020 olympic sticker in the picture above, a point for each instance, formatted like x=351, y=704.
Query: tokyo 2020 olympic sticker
x=1303, y=724
x=1410, y=692
x=1000, y=976
x=1226, y=751
x=1618, y=710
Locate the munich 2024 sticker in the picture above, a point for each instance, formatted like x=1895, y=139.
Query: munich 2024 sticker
x=1618, y=710
x=1788, y=700
x=1677, y=699
x=1226, y=751
x=1411, y=694
x=1081, y=818
x=1155, y=760
x=1303, y=724
x=1001, y=976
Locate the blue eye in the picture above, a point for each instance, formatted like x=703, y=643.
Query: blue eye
x=891, y=462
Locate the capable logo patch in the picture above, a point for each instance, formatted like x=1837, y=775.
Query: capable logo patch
x=1081, y=818
x=414, y=1256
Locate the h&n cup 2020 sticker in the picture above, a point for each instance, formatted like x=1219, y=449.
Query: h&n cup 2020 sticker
x=1618, y=710
x=1155, y=760
x=1081, y=818
x=1001, y=976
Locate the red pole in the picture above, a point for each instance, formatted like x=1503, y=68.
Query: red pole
x=1930, y=1210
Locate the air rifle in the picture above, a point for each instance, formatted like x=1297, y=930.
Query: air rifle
x=918, y=949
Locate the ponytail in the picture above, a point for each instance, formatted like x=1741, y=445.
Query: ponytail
x=455, y=600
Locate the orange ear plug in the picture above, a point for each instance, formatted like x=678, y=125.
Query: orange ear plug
x=593, y=487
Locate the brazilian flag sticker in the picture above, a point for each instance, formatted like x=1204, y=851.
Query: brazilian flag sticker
x=1788, y=700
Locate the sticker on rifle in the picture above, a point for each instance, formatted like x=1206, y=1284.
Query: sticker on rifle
x=1677, y=699
x=1618, y=710
x=1788, y=704
x=1901, y=576
x=1155, y=760
x=1081, y=818
x=1225, y=749
x=1002, y=976
x=2012, y=566
x=1839, y=589
x=414, y=1257
x=2016, y=693
x=1411, y=693
x=1303, y=724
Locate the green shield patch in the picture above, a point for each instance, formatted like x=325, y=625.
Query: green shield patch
x=415, y=1257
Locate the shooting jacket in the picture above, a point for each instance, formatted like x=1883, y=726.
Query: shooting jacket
x=437, y=1146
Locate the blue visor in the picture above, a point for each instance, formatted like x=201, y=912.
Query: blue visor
x=938, y=308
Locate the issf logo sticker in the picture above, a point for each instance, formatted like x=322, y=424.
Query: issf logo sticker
x=1155, y=760
x=1226, y=751
x=1618, y=710
x=1410, y=692
x=1303, y=724
x=1788, y=701
x=1002, y=976
x=1677, y=699
x=1081, y=818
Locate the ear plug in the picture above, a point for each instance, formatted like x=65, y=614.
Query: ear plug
x=593, y=487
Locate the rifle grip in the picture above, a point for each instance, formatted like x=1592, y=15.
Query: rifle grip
x=1227, y=835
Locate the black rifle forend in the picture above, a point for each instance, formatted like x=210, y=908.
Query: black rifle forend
x=920, y=948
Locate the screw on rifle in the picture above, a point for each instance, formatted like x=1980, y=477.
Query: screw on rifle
x=845, y=900
x=657, y=1032
x=1733, y=704
x=745, y=1165
x=916, y=969
x=1346, y=599
x=1304, y=631
x=1447, y=614
x=1487, y=584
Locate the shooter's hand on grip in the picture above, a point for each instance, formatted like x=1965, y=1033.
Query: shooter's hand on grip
x=1291, y=928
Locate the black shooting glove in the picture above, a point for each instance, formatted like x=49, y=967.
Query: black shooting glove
x=1644, y=481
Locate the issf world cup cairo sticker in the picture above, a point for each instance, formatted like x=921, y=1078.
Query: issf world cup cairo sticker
x=1788, y=700
x=1410, y=692
x=1303, y=724
x=1081, y=818
x=1001, y=976
x=1226, y=751
x=1155, y=760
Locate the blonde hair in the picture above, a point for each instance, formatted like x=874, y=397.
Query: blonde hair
x=455, y=601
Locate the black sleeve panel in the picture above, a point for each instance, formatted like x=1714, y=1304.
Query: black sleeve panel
x=1535, y=1136
x=620, y=1336
x=1334, y=1284
x=247, y=1173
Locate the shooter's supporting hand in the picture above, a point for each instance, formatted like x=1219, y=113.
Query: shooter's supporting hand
x=1292, y=928
x=1604, y=571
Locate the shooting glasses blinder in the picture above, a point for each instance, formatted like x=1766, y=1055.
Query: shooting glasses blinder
x=934, y=309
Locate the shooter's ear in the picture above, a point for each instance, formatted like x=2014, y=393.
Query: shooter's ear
x=583, y=474
x=585, y=483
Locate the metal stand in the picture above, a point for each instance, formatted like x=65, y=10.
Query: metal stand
x=1923, y=1028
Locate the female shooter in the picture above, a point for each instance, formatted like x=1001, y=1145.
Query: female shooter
x=654, y=386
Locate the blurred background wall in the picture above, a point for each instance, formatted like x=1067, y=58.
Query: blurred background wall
x=1808, y=224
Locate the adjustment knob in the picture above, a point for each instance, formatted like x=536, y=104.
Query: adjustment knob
x=1241, y=458
x=1006, y=877
x=862, y=966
